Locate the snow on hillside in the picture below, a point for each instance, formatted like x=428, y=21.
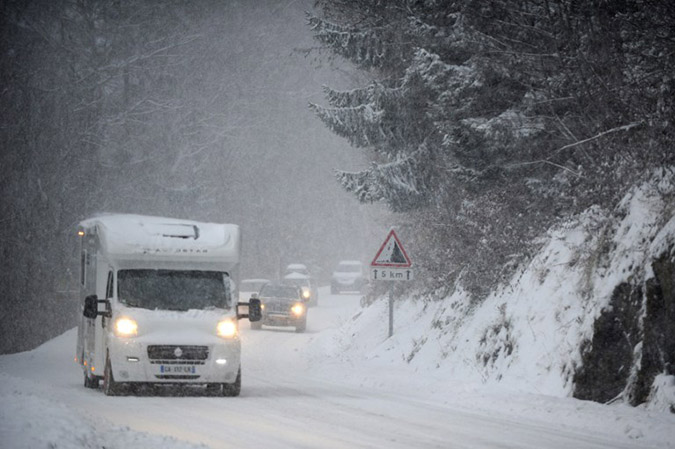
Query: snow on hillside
x=527, y=335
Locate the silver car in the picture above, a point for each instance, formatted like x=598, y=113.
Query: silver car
x=348, y=276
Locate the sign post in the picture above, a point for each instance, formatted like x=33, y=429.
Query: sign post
x=391, y=263
x=391, y=310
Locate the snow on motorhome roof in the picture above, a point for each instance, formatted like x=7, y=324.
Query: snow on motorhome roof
x=127, y=234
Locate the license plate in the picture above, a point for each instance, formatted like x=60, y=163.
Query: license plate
x=177, y=369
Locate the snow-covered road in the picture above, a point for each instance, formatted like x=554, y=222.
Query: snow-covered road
x=300, y=391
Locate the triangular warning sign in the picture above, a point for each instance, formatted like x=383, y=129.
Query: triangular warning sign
x=391, y=253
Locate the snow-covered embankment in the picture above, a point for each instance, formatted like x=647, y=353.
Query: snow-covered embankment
x=580, y=319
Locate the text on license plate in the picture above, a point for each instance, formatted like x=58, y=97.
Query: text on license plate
x=177, y=369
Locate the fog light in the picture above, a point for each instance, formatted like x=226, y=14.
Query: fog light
x=221, y=361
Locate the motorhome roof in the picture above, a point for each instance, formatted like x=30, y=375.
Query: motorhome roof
x=140, y=237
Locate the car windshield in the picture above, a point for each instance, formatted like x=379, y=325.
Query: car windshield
x=279, y=291
x=251, y=286
x=349, y=268
x=173, y=289
x=299, y=282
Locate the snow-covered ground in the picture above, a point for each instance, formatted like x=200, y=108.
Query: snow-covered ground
x=338, y=385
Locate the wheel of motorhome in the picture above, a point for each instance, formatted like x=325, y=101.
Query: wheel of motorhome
x=233, y=389
x=90, y=382
x=110, y=387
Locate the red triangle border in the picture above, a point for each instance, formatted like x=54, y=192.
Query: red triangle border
x=374, y=263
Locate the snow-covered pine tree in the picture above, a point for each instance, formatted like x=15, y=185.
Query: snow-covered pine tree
x=489, y=121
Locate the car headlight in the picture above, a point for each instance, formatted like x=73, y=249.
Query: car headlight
x=306, y=293
x=298, y=309
x=227, y=328
x=125, y=327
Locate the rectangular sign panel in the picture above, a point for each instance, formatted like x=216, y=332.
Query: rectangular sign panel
x=391, y=274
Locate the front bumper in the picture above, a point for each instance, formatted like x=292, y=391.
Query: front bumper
x=211, y=361
x=277, y=319
x=279, y=312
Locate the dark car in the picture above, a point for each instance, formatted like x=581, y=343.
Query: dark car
x=282, y=305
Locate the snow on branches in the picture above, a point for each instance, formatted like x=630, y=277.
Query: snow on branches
x=517, y=104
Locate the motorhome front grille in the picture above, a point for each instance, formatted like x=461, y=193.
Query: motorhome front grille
x=177, y=362
x=174, y=352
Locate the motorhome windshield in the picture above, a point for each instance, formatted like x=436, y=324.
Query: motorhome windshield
x=173, y=289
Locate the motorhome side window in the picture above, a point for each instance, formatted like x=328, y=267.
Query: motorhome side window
x=83, y=267
x=173, y=289
x=109, y=285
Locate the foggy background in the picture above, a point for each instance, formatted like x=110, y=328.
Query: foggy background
x=172, y=108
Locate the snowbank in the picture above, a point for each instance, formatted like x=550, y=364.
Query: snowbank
x=533, y=334
x=32, y=415
x=29, y=421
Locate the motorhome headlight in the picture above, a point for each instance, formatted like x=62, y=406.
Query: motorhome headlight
x=227, y=328
x=306, y=293
x=298, y=309
x=125, y=327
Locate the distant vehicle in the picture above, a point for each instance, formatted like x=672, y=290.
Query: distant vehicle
x=282, y=305
x=348, y=276
x=297, y=268
x=310, y=293
x=157, y=304
x=249, y=286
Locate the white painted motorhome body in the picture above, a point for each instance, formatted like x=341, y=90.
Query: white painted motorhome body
x=125, y=260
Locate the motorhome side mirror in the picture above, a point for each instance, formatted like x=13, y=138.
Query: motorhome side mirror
x=254, y=310
x=90, y=306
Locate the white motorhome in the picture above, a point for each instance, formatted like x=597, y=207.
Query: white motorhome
x=159, y=303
